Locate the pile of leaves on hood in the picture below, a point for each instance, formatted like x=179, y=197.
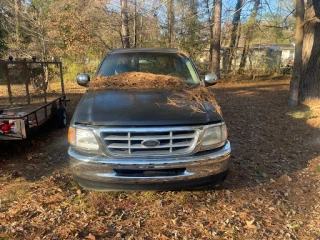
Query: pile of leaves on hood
x=183, y=94
x=138, y=80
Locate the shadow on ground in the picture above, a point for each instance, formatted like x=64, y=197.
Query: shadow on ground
x=267, y=141
x=42, y=153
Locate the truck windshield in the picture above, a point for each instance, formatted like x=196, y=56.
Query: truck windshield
x=169, y=64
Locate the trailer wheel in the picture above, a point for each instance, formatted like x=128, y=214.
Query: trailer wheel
x=61, y=117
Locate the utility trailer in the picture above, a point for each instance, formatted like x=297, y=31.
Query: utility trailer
x=31, y=93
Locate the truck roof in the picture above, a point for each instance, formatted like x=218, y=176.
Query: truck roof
x=151, y=50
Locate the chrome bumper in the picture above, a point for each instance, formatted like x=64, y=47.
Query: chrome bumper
x=98, y=172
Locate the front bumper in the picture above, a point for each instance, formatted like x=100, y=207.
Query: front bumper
x=102, y=173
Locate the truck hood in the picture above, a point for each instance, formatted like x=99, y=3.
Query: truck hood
x=138, y=108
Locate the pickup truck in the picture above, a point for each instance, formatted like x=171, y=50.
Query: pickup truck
x=132, y=139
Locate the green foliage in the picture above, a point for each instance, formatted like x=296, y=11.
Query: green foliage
x=3, y=36
x=17, y=192
x=72, y=67
x=273, y=30
x=76, y=30
x=190, y=35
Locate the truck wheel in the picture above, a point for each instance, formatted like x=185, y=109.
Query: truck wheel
x=225, y=177
x=61, y=117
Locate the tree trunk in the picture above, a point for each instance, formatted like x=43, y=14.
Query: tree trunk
x=170, y=9
x=140, y=34
x=309, y=88
x=125, y=25
x=296, y=75
x=233, y=38
x=135, y=25
x=244, y=55
x=249, y=35
x=235, y=52
x=211, y=33
x=17, y=7
x=215, y=44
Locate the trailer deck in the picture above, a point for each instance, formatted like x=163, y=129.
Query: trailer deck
x=26, y=99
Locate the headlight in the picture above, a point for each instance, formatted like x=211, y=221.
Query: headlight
x=214, y=135
x=82, y=138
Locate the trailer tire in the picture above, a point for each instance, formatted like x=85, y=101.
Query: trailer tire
x=54, y=109
x=61, y=115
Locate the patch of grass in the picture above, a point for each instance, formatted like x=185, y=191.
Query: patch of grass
x=295, y=225
x=80, y=203
x=3, y=179
x=284, y=207
x=78, y=200
x=113, y=194
x=260, y=169
x=6, y=237
x=16, y=192
x=318, y=168
x=304, y=114
x=149, y=194
x=73, y=184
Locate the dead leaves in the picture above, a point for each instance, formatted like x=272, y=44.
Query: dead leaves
x=249, y=225
x=91, y=237
x=184, y=96
x=197, y=99
x=282, y=204
x=138, y=80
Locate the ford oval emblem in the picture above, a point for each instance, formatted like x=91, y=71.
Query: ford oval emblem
x=150, y=143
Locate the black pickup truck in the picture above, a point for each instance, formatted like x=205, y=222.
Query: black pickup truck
x=130, y=139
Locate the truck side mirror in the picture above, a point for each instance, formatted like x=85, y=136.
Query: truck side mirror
x=83, y=79
x=210, y=79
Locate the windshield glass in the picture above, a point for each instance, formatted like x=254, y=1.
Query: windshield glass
x=169, y=64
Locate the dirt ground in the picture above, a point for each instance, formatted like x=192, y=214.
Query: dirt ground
x=272, y=190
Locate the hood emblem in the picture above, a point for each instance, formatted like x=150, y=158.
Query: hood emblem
x=150, y=143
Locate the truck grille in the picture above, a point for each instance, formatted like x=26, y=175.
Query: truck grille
x=137, y=142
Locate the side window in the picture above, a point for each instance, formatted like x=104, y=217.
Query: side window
x=182, y=68
x=107, y=67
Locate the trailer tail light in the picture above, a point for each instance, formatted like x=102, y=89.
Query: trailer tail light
x=6, y=128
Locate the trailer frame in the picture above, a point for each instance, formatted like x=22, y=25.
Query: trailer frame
x=21, y=120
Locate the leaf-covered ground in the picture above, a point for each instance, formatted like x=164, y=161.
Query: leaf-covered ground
x=272, y=190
